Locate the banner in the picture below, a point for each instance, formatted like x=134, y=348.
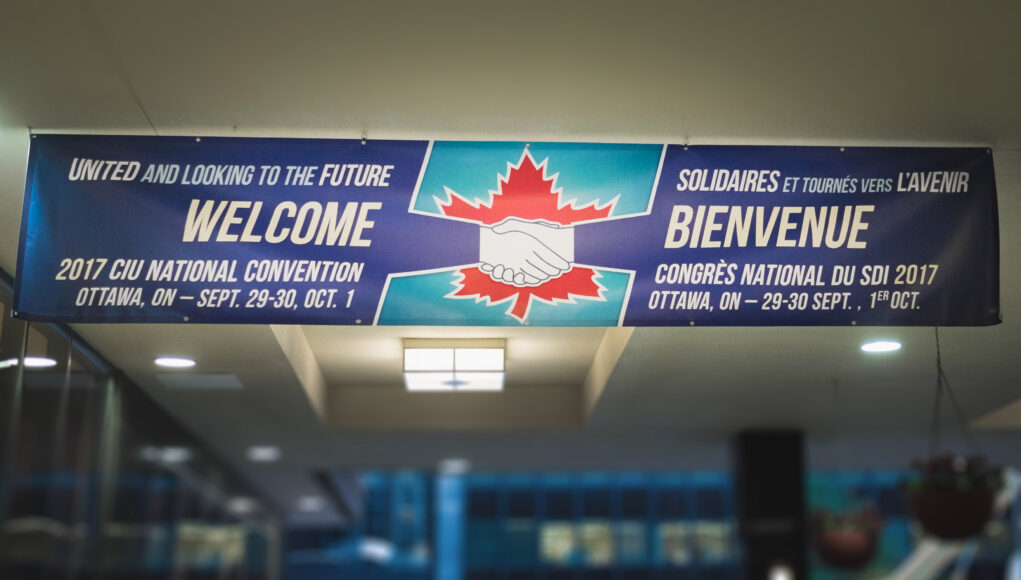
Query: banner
x=305, y=231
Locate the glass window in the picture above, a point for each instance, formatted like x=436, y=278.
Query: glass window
x=520, y=542
x=559, y=504
x=521, y=503
x=557, y=543
x=483, y=543
x=482, y=503
x=631, y=543
x=101, y=479
x=710, y=502
x=713, y=541
x=674, y=543
x=597, y=503
x=40, y=526
x=671, y=503
x=634, y=503
x=596, y=543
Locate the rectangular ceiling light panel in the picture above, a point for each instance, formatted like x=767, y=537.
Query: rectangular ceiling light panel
x=428, y=359
x=478, y=359
x=429, y=381
x=454, y=365
x=478, y=381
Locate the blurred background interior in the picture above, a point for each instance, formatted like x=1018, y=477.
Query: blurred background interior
x=100, y=481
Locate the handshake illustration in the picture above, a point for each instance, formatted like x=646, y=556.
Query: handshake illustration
x=525, y=253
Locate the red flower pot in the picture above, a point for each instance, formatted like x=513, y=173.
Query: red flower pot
x=846, y=549
x=953, y=498
x=846, y=541
x=953, y=514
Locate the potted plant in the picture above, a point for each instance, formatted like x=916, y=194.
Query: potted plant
x=952, y=496
x=846, y=541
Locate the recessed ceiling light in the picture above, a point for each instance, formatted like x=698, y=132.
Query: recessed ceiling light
x=11, y=362
x=454, y=466
x=165, y=454
x=311, y=503
x=781, y=572
x=881, y=346
x=39, y=362
x=241, y=505
x=175, y=362
x=263, y=453
x=175, y=454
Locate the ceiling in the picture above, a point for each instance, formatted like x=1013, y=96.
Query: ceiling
x=945, y=74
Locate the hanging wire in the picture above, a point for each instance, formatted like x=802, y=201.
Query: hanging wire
x=936, y=407
x=942, y=383
x=961, y=420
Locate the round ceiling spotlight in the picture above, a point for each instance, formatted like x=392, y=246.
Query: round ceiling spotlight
x=241, y=505
x=39, y=362
x=311, y=503
x=881, y=346
x=454, y=466
x=263, y=453
x=175, y=362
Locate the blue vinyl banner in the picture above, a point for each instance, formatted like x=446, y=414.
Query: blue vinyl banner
x=304, y=231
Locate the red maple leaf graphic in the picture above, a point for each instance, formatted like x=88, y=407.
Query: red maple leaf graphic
x=576, y=283
x=525, y=193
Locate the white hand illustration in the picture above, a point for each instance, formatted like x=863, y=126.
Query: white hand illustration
x=525, y=253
